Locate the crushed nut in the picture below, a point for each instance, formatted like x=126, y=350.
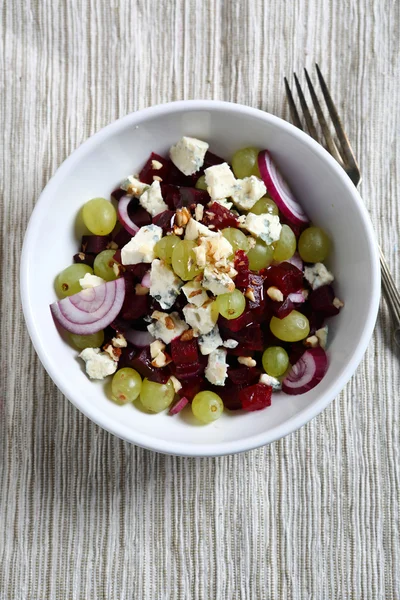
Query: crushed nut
x=247, y=361
x=156, y=178
x=275, y=294
x=337, y=303
x=199, y=212
x=195, y=293
x=81, y=255
x=118, y=269
x=176, y=383
x=156, y=165
x=211, y=227
x=250, y=294
x=156, y=347
x=140, y=290
x=112, y=245
x=161, y=360
x=169, y=323
x=187, y=335
x=311, y=342
x=119, y=341
x=182, y=216
x=322, y=335
x=114, y=353
x=178, y=230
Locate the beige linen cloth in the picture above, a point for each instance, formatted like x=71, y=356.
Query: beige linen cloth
x=86, y=516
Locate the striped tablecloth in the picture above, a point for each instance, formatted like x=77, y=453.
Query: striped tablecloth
x=84, y=515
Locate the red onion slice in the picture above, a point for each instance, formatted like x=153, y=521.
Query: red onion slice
x=75, y=313
x=306, y=373
x=141, y=339
x=297, y=297
x=146, y=280
x=178, y=406
x=279, y=189
x=123, y=216
x=296, y=261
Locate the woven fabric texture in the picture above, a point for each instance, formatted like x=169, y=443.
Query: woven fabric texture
x=86, y=516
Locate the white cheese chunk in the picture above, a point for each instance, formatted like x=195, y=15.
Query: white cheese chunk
x=156, y=347
x=166, y=327
x=98, y=364
x=119, y=341
x=230, y=344
x=195, y=293
x=217, y=282
x=164, y=284
x=201, y=318
x=210, y=341
x=141, y=247
x=133, y=186
x=188, y=154
x=247, y=192
x=267, y=227
x=152, y=200
x=220, y=181
x=90, y=281
x=217, y=369
x=318, y=275
x=217, y=250
x=194, y=229
x=272, y=381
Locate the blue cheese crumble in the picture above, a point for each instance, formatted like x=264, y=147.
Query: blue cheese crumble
x=318, y=275
x=141, y=247
x=217, y=282
x=210, y=341
x=201, y=318
x=272, y=381
x=217, y=369
x=267, y=227
x=164, y=284
x=188, y=155
x=220, y=181
x=152, y=200
x=195, y=293
x=247, y=192
x=166, y=327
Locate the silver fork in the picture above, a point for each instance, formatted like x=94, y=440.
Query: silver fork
x=343, y=153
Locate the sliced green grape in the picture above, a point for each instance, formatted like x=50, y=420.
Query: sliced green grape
x=285, y=247
x=265, y=205
x=164, y=248
x=126, y=385
x=201, y=183
x=99, y=216
x=236, y=238
x=314, y=245
x=67, y=282
x=275, y=361
x=156, y=397
x=261, y=256
x=184, y=260
x=94, y=340
x=244, y=163
x=231, y=305
x=293, y=328
x=103, y=265
x=207, y=407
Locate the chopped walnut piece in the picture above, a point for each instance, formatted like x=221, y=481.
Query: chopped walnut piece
x=275, y=294
x=250, y=294
x=182, y=216
x=187, y=335
x=114, y=353
x=247, y=361
x=119, y=341
x=337, y=303
x=156, y=178
x=311, y=342
x=156, y=165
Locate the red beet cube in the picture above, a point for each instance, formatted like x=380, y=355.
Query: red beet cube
x=93, y=244
x=249, y=338
x=134, y=306
x=137, y=271
x=321, y=300
x=121, y=238
x=138, y=214
x=84, y=258
x=219, y=216
x=118, y=193
x=148, y=172
x=191, y=387
x=244, y=375
x=210, y=160
x=281, y=309
x=165, y=220
x=178, y=197
x=241, y=261
x=246, y=319
x=142, y=363
x=229, y=393
x=256, y=397
x=284, y=276
x=184, y=353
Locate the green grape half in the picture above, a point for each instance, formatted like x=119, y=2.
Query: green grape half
x=164, y=248
x=293, y=328
x=314, y=245
x=265, y=205
x=285, y=247
x=94, y=340
x=126, y=385
x=231, y=305
x=201, y=183
x=245, y=164
x=275, y=361
x=103, y=265
x=184, y=260
x=261, y=256
x=67, y=282
x=99, y=216
x=156, y=397
x=207, y=407
x=237, y=239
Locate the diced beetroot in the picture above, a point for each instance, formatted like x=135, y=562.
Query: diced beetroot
x=296, y=352
x=138, y=214
x=178, y=197
x=281, y=309
x=117, y=256
x=210, y=160
x=219, y=216
x=176, y=177
x=137, y=271
x=246, y=318
x=142, y=363
x=238, y=351
x=178, y=406
x=148, y=172
x=134, y=306
x=191, y=387
x=121, y=238
x=255, y=285
x=284, y=276
x=118, y=193
x=229, y=393
x=84, y=258
x=184, y=353
x=321, y=300
x=186, y=371
x=241, y=261
x=165, y=220
x=249, y=338
x=244, y=375
x=95, y=243
x=256, y=397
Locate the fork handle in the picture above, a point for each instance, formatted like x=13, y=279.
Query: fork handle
x=392, y=295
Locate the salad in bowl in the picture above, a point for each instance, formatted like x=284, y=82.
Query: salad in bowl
x=202, y=284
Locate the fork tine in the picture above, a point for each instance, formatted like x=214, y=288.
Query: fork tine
x=322, y=121
x=306, y=112
x=292, y=107
x=343, y=139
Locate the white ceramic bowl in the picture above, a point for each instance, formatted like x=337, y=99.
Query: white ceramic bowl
x=98, y=166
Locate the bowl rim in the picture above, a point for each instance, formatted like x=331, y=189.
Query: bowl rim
x=175, y=447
